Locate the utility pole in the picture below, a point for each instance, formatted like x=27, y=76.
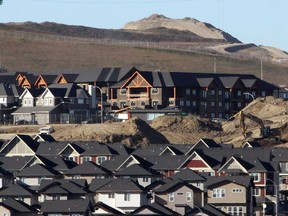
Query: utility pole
x=261, y=67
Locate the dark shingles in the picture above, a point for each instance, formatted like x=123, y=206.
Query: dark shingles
x=15, y=163
x=98, y=183
x=108, y=209
x=88, y=168
x=137, y=170
x=156, y=208
x=188, y=175
x=66, y=206
x=17, y=206
x=16, y=190
x=121, y=185
x=38, y=170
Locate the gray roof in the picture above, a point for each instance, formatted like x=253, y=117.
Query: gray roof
x=246, y=181
x=35, y=109
x=66, y=206
x=188, y=175
x=156, y=208
x=88, y=168
x=137, y=170
x=38, y=170
x=16, y=190
x=17, y=206
x=121, y=185
x=173, y=185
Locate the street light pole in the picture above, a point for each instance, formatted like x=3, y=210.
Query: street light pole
x=101, y=102
x=247, y=93
x=276, y=195
x=199, y=209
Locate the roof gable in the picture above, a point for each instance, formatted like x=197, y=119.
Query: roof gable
x=136, y=80
x=233, y=164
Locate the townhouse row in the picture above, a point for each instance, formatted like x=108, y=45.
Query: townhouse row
x=128, y=90
x=41, y=176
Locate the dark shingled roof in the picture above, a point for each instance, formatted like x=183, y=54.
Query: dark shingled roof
x=88, y=168
x=108, y=209
x=66, y=206
x=156, y=208
x=17, y=206
x=137, y=170
x=121, y=185
x=38, y=170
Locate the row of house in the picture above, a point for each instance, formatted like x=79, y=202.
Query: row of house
x=125, y=90
x=40, y=176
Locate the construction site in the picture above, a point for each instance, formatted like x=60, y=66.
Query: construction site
x=264, y=120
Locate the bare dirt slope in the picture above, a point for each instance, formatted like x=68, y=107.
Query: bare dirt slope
x=175, y=129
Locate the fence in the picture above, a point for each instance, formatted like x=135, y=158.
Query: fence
x=197, y=48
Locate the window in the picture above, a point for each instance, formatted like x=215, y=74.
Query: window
x=86, y=158
x=187, y=91
x=239, y=93
x=227, y=106
x=122, y=91
x=142, y=103
x=180, y=194
x=188, y=196
x=154, y=90
x=255, y=177
x=145, y=179
x=181, y=103
x=56, y=197
x=226, y=94
x=80, y=101
x=235, y=210
x=219, y=92
x=263, y=93
x=212, y=103
x=218, y=193
x=155, y=104
x=100, y=159
x=133, y=103
x=122, y=104
x=237, y=190
x=212, y=115
x=239, y=104
x=204, y=93
x=111, y=195
x=127, y=197
x=220, y=104
x=194, y=91
x=188, y=103
x=194, y=103
x=256, y=192
x=171, y=197
x=212, y=92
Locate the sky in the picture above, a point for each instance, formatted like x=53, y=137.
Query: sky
x=262, y=22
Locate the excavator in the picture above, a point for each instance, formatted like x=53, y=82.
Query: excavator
x=265, y=131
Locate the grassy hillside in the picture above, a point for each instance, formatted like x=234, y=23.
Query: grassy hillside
x=49, y=55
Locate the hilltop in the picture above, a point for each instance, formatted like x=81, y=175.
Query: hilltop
x=153, y=43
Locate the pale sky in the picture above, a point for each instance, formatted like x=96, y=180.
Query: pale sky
x=263, y=22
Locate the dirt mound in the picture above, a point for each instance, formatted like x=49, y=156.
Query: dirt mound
x=187, y=124
x=134, y=132
x=201, y=29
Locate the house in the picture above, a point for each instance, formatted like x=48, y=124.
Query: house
x=154, y=209
x=231, y=194
x=34, y=174
x=62, y=189
x=88, y=171
x=9, y=101
x=19, y=145
x=56, y=103
x=178, y=195
x=19, y=192
x=122, y=194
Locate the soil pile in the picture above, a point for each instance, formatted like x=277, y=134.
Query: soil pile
x=187, y=129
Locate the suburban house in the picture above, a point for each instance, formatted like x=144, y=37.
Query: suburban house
x=57, y=103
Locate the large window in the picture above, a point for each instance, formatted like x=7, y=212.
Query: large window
x=235, y=210
x=218, y=193
x=154, y=90
x=100, y=159
x=111, y=195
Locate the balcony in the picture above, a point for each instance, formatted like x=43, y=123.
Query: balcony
x=140, y=95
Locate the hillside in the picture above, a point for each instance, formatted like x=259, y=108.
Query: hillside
x=56, y=47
